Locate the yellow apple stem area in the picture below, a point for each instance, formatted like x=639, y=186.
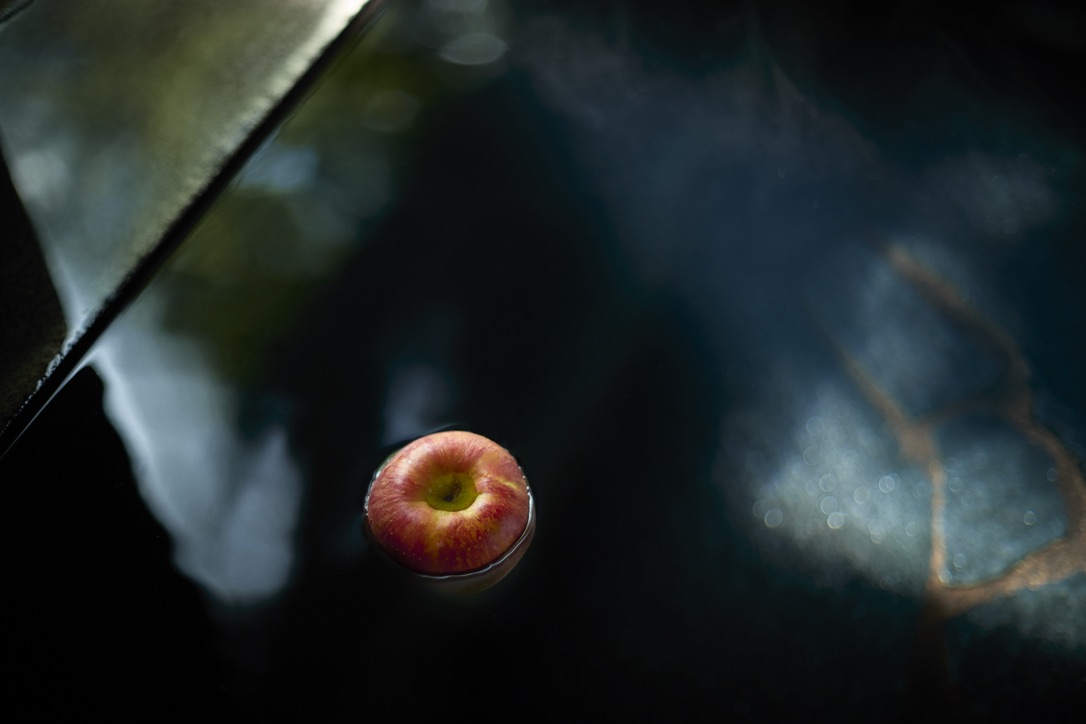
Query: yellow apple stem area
x=452, y=492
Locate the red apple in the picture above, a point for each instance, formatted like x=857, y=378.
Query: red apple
x=453, y=506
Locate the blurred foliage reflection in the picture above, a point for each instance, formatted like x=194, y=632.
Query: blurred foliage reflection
x=306, y=201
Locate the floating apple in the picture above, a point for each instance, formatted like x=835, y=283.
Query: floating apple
x=453, y=507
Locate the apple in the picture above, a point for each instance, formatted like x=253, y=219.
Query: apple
x=454, y=508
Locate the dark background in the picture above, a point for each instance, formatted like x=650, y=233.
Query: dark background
x=607, y=300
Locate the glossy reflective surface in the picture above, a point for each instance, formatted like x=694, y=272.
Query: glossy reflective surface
x=121, y=121
x=781, y=310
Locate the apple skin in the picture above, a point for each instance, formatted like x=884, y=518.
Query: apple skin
x=451, y=503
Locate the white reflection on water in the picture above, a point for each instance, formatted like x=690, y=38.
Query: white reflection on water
x=473, y=49
x=816, y=487
x=230, y=504
x=280, y=168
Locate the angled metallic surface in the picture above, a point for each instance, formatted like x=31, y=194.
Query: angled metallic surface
x=122, y=121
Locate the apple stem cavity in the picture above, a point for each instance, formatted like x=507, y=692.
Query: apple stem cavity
x=452, y=493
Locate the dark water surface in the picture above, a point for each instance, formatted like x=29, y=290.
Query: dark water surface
x=781, y=314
